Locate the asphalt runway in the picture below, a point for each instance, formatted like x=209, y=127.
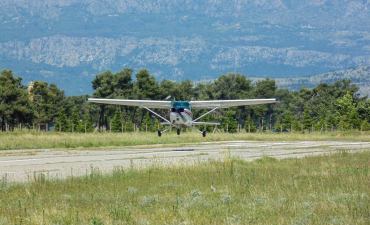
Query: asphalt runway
x=26, y=165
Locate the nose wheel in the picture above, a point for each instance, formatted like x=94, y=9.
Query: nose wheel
x=178, y=131
x=204, y=133
x=159, y=133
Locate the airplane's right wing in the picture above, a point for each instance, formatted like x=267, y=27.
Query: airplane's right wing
x=129, y=102
x=230, y=103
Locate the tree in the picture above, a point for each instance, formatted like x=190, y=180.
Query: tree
x=148, y=123
x=61, y=122
x=363, y=109
x=117, y=122
x=46, y=101
x=167, y=88
x=231, y=86
x=229, y=123
x=146, y=86
x=365, y=125
x=14, y=103
x=325, y=107
x=74, y=121
x=249, y=124
x=265, y=89
x=157, y=124
x=104, y=88
x=306, y=120
x=87, y=112
x=122, y=83
x=86, y=124
x=287, y=121
x=347, y=113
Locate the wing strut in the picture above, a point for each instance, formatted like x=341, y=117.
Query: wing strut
x=157, y=115
x=205, y=114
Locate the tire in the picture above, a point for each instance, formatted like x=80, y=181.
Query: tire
x=159, y=133
x=204, y=133
x=178, y=131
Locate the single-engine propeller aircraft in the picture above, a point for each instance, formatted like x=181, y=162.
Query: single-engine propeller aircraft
x=180, y=111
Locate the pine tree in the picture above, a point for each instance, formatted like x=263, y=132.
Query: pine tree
x=307, y=120
x=278, y=126
x=347, y=113
x=46, y=100
x=249, y=124
x=147, y=125
x=61, y=122
x=74, y=121
x=287, y=121
x=365, y=125
x=157, y=125
x=80, y=126
x=87, y=123
x=14, y=104
x=116, y=122
x=229, y=123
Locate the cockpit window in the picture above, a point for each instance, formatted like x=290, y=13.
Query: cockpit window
x=181, y=105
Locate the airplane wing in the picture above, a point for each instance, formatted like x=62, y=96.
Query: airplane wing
x=229, y=103
x=129, y=102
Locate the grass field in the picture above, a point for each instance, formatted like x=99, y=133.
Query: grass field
x=35, y=140
x=319, y=190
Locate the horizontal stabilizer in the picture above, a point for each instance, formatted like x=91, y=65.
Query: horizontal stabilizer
x=206, y=123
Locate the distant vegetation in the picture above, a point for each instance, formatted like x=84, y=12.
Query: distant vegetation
x=317, y=190
x=360, y=76
x=43, y=106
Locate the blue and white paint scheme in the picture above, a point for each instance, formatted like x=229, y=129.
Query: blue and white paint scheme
x=180, y=114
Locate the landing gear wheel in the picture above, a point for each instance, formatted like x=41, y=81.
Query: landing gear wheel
x=178, y=131
x=204, y=133
x=159, y=133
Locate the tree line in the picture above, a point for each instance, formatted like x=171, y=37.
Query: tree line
x=43, y=106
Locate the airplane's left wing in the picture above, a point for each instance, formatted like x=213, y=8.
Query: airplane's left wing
x=129, y=102
x=229, y=103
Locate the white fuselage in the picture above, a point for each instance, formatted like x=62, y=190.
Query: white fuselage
x=181, y=117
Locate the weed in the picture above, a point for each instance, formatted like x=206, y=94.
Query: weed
x=317, y=190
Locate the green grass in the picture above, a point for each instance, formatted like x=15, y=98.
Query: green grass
x=319, y=190
x=36, y=140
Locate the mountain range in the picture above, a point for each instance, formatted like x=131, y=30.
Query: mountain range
x=68, y=42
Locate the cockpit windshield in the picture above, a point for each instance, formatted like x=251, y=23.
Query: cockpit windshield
x=181, y=105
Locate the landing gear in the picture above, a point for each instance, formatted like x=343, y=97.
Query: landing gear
x=204, y=133
x=159, y=133
x=178, y=131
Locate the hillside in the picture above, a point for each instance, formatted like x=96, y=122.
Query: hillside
x=69, y=41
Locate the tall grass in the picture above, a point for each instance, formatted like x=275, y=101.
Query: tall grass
x=320, y=190
x=34, y=140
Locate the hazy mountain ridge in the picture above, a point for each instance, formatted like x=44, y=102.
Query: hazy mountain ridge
x=181, y=39
x=53, y=9
x=102, y=52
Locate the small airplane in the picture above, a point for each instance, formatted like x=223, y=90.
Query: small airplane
x=180, y=111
